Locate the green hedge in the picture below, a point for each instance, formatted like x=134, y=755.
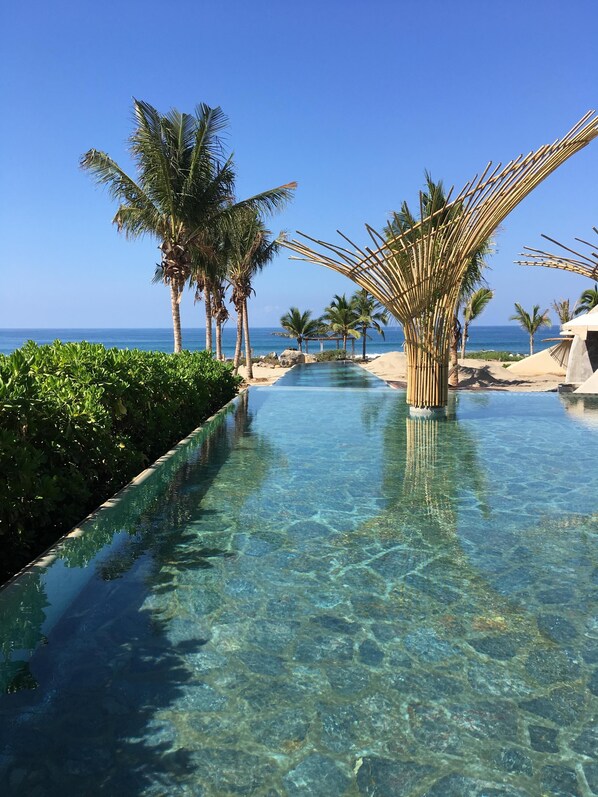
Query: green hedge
x=78, y=421
x=501, y=356
x=331, y=355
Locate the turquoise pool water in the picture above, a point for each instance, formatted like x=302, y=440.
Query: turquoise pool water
x=322, y=596
x=332, y=374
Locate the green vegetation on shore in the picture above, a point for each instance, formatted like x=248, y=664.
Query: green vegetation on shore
x=78, y=421
x=501, y=356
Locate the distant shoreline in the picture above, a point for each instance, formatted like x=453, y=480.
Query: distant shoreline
x=508, y=338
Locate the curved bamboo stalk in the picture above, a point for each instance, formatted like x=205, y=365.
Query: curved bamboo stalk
x=586, y=265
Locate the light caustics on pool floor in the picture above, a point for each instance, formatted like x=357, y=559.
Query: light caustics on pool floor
x=323, y=596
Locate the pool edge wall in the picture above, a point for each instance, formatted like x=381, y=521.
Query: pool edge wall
x=48, y=556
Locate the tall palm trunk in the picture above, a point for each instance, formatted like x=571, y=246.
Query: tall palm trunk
x=248, y=363
x=531, y=344
x=219, y=355
x=364, y=330
x=464, y=339
x=175, y=295
x=454, y=353
x=239, y=341
x=220, y=314
x=208, y=302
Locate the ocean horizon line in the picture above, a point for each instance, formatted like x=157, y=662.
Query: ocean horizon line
x=169, y=328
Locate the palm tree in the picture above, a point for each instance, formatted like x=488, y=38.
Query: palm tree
x=562, y=307
x=184, y=187
x=299, y=325
x=250, y=250
x=531, y=323
x=434, y=208
x=207, y=278
x=472, y=285
x=341, y=317
x=588, y=300
x=474, y=306
x=370, y=315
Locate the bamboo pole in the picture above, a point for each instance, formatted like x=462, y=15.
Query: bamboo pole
x=582, y=264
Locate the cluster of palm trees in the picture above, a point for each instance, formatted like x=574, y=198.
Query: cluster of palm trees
x=344, y=318
x=184, y=196
x=532, y=322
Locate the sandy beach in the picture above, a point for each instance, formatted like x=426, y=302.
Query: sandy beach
x=474, y=374
x=263, y=375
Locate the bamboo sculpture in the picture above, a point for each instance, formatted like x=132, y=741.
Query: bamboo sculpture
x=417, y=273
x=585, y=265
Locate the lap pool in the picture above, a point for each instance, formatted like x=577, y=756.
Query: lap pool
x=318, y=595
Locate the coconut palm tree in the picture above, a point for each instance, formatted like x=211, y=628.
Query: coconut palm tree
x=562, y=307
x=588, y=300
x=474, y=306
x=341, y=317
x=184, y=186
x=531, y=322
x=299, y=325
x=370, y=315
x=250, y=250
x=472, y=285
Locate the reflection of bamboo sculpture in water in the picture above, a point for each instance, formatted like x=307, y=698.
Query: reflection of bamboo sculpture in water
x=425, y=481
x=440, y=458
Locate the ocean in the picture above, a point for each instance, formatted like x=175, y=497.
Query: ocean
x=264, y=339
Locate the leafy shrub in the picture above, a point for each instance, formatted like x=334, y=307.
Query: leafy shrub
x=329, y=355
x=78, y=421
x=500, y=356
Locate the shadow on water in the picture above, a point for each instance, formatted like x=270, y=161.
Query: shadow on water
x=83, y=686
x=102, y=676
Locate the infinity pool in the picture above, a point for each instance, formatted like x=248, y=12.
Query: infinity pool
x=321, y=596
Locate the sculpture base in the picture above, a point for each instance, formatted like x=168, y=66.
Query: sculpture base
x=431, y=413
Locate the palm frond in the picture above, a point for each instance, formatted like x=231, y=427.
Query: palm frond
x=269, y=202
x=107, y=172
x=152, y=143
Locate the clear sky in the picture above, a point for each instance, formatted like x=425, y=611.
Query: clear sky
x=353, y=99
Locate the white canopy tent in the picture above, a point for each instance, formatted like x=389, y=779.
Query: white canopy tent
x=582, y=324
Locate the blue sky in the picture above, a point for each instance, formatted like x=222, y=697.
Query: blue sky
x=354, y=100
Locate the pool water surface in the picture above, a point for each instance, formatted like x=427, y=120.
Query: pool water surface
x=322, y=596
